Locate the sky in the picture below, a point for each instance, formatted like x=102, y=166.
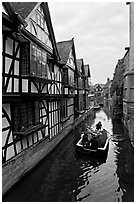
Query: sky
x=100, y=31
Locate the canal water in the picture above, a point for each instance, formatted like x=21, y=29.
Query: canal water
x=67, y=176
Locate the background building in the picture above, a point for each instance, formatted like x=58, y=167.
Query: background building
x=98, y=88
x=106, y=92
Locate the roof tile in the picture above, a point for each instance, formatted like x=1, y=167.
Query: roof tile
x=64, y=48
x=23, y=8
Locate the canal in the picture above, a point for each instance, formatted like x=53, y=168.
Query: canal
x=66, y=176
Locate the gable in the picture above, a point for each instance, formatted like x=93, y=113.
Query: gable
x=80, y=68
x=34, y=15
x=64, y=49
x=87, y=70
x=70, y=60
x=38, y=27
x=4, y=10
x=98, y=86
x=23, y=8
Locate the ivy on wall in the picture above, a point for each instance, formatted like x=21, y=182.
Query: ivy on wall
x=118, y=78
x=116, y=90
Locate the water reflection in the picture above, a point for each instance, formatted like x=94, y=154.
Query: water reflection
x=113, y=180
x=125, y=162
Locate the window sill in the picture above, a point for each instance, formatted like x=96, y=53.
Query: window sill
x=29, y=131
x=40, y=79
x=64, y=119
x=36, y=78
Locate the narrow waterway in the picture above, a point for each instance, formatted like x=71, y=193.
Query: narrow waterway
x=66, y=176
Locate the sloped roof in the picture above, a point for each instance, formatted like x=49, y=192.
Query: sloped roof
x=13, y=17
x=87, y=70
x=99, y=85
x=64, y=48
x=23, y=8
x=79, y=63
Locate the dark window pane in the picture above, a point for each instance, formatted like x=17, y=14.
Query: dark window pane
x=25, y=58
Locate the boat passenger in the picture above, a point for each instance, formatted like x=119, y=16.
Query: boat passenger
x=85, y=140
x=98, y=126
x=88, y=131
x=94, y=143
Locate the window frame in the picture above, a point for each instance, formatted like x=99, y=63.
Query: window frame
x=63, y=110
x=28, y=115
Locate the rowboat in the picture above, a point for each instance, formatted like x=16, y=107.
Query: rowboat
x=101, y=149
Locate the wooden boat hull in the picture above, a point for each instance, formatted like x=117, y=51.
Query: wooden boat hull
x=100, y=151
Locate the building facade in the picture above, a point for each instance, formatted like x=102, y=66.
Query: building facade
x=106, y=92
x=32, y=82
x=68, y=62
x=38, y=88
x=98, y=88
x=86, y=78
x=128, y=101
x=80, y=87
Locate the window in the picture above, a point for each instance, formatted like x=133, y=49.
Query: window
x=25, y=53
x=40, y=20
x=125, y=93
x=72, y=62
x=131, y=94
x=33, y=60
x=65, y=76
x=131, y=88
x=131, y=81
x=63, y=109
x=25, y=115
x=38, y=62
x=50, y=64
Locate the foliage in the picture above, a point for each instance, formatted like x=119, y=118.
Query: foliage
x=118, y=82
x=117, y=87
x=117, y=111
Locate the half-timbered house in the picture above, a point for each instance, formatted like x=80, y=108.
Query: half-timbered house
x=67, y=54
x=31, y=84
x=86, y=77
x=11, y=78
x=98, y=93
x=32, y=79
x=38, y=88
x=80, y=81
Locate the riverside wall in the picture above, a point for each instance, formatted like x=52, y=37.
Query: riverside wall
x=17, y=167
